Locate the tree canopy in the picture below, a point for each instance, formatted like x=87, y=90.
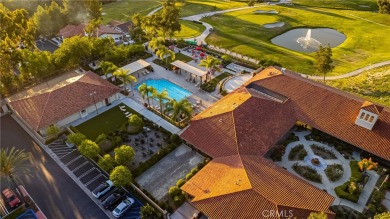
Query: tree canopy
x=89, y=149
x=106, y=162
x=324, y=62
x=121, y=176
x=384, y=6
x=13, y=163
x=76, y=138
x=124, y=154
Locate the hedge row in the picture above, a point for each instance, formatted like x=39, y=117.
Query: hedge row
x=153, y=160
x=342, y=192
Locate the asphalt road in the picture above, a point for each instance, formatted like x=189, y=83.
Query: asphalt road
x=55, y=192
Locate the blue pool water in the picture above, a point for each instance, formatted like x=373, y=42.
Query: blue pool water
x=174, y=91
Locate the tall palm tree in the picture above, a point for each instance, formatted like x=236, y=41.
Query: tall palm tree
x=122, y=74
x=178, y=108
x=108, y=67
x=211, y=64
x=12, y=164
x=163, y=51
x=146, y=91
x=156, y=43
x=161, y=97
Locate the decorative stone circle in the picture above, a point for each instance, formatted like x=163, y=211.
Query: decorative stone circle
x=315, y=161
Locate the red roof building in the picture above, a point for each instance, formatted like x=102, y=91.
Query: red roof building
x=238, y=131
x=78, y=30
x=65, y=103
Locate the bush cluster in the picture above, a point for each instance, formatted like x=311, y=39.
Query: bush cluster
x=298, y=149
x=307, y=172
x=332, y=173
x=342, y=192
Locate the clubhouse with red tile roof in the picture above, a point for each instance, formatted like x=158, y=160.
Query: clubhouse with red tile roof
x=239, y=130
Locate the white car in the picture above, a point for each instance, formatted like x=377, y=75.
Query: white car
x=102, y=189
x=123, y=207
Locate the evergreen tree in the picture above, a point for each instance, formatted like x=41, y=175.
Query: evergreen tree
x=384, y=6
x=324, y=60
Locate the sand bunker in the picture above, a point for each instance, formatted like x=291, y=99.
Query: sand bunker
x=265, y=12
x=273, y=25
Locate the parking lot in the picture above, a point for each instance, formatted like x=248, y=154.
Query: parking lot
x=89, y=174
x=4, y=206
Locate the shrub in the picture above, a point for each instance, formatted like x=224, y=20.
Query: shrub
x=194, y=170
x=175, y=139
x=121, y=176
x=189, y=176
x=180, y=182
x=307, y=172
x=106, y=163
x=174, y=191
x=124, y=154
x=101, y=138
x=106, y=146
x=342, y=192
x=52, y=131
x=89, y=149
x=179, y=200
x=332, y=172
x=76, y=138
x=295, y=150
x=356, y=175
x=135, y=120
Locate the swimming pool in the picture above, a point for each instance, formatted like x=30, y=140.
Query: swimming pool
x=174, y=91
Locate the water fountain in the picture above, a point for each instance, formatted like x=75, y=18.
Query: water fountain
x=315, y=162
x=308, y=42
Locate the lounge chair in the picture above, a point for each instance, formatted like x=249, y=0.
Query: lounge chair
x=127, y=113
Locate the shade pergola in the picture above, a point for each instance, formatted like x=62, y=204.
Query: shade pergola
x=189, y=68
x=136, y=66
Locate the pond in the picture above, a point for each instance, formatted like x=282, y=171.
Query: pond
x=308, y=40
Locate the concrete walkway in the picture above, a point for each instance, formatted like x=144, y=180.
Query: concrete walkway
x=326, y=183
x=151, y=116
x=350, y=74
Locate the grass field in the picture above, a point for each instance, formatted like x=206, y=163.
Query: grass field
x=106, y=122
x=367, y=41
x=124, y=10
x=373, y=84
x=189, y=29
x=363, y=5
x=192, y=7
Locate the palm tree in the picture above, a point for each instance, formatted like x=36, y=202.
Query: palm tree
x=161, y=97
x=12, y=164
x=163, y=51
x=211, y=64
x=156, y=43
x=122, y=74
x=145, y=91
x=108, y=67
x=178, y=108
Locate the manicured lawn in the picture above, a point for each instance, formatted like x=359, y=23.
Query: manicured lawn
x=189, y=29
x=362, y=5
x=106, y=122
x=366, y=42
x=123, y=10
x=373, y=84
x=192, y=7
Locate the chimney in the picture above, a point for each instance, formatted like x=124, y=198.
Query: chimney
x=368, y=115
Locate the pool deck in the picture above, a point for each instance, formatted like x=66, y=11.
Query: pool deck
x=160, y=72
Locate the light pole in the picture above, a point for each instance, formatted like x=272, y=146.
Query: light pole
x=93, y=97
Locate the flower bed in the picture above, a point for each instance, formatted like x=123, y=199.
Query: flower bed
x=297, y=153
x=342, y=192
x=211, y=85
x=307, y=173
x=334, y=172
x=322, y=152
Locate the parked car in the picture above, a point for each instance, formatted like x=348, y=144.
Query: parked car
x=102, y=189
x=11, y=198
x=111, y=201
x=123, y=207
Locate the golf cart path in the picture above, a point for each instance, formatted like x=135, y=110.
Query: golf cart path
x=350, y=74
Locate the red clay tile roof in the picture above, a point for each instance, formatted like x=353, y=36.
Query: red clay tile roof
x=370, y=107
x=78, y=30
x=47, y=108
x=251, y=120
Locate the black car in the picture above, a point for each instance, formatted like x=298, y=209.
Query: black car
x=111, y=201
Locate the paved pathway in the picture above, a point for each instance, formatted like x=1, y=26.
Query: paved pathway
x=352, y=73
x=326, y=183
x=154, y=11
